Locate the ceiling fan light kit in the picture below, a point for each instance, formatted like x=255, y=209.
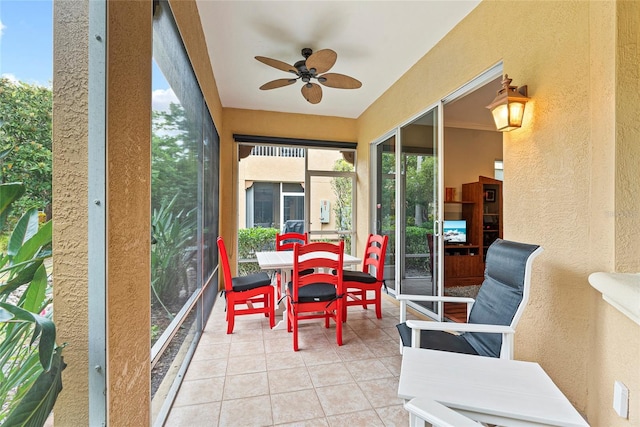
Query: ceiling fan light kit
x=307, y=69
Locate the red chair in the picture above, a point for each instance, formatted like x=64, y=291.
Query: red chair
x=371, y=278
x=246, y=290
x=285, y=242
x=317, y=295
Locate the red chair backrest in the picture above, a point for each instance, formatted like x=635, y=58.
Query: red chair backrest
x=286, y=241
x=374, y=254
x=224, y=261
x=323, y=258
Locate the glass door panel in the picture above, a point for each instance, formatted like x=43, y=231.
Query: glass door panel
x=330, y=187
x=384, y=168
x=419, y=210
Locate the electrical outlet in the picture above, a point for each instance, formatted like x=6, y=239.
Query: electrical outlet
x=621, y=399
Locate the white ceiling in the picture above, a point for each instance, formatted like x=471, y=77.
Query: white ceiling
x=376, y=42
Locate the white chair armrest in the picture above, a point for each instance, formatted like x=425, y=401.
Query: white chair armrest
x=459, y=327
x=431, y=298
x=436, y=413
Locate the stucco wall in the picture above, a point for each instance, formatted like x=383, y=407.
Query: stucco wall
x=553, y=175
x=70, y=267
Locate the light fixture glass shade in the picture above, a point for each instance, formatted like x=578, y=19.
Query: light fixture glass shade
x=508, y=106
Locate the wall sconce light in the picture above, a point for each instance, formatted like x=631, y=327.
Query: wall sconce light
x=508, y=106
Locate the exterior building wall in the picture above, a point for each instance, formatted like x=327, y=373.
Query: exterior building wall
x=289, y=170
x=70, y=206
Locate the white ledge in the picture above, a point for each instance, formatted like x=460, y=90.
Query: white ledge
x=621, y=290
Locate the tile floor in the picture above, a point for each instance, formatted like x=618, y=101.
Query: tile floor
x=254, y=378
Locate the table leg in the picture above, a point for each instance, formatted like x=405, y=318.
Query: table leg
x=285, y=277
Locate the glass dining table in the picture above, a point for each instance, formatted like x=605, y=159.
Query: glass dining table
x=283, y=261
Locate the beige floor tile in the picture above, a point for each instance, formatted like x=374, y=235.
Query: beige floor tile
x=215, y=337
x=394, y=416
x=291, y=359
x=200, y=391
x=295, y=407
x=356, y=351
x=285, y=380
x=200, y=369
x=212, y=351
x=367, y=335
x=246, y=364
x=381, y=392
x=243, y=334
x=359, y=324
x=384, y=347
x=367, y=369
x=316, y=422
x=246, y=348
x=342, y=399
x=247, y=412
x=319, y=356
x=330, y=374
x=361, y=418
x=393, y=364
x=278, y=345
x=245, y=385
x=203, y=415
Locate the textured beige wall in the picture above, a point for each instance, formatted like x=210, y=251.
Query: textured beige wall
x=70, y=267
x=129, y=212
x=560, y=187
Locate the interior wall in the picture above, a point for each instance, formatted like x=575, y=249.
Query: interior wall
x=469, y=154
x=548, y=176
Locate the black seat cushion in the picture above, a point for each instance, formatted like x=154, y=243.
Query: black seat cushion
x=357, y=276
x=436, y=340
x=251, y=281
x=315, y=292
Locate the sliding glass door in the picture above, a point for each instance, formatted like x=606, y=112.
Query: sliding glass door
x=406, y=169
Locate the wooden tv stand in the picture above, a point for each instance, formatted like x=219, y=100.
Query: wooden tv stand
x=463, y=265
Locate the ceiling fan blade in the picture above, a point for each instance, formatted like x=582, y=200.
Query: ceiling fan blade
x=277, y=83
x=312, y=92
x=277, y=64
x=339, y=81
x=321, y=60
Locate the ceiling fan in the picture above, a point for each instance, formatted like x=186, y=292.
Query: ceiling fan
x=310, y=68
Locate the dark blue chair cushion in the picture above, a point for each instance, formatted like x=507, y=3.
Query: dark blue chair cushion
x=251, y=281
x=436, y=340
x=500, y=293
x=315, y=292
x=357, y=276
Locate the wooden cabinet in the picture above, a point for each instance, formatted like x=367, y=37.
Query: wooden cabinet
x=482, y=209
x=484, y=214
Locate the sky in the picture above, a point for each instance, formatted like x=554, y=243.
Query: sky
x=26, y=47
x=26, y=40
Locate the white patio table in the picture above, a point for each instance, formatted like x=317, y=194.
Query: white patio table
x=490, y=390
x=283, y=261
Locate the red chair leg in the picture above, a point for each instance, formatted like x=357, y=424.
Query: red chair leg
x=295, y=333
x=379, y=303
x=230, y=314
x=339, y=310
x=272, y=310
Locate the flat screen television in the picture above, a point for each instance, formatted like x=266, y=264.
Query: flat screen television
x=455, y=231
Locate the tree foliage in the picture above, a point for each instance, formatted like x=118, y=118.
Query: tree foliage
x=25, y=141
x=342, y=189
x=174, y=154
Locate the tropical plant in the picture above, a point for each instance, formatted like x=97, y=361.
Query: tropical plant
x=25, y=141
x=32, y=364
x=172, y=233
